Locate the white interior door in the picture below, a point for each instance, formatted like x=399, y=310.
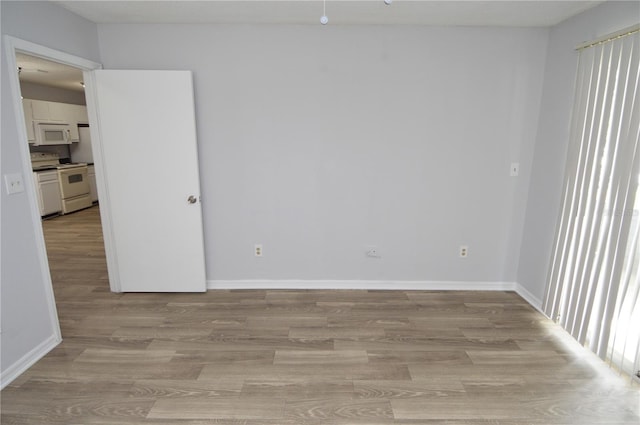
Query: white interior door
x=148, y=181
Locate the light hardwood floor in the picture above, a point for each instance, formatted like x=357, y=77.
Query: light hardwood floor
x=301, y=357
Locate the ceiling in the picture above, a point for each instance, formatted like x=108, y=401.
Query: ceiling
x=503, y=13
x=41, y=71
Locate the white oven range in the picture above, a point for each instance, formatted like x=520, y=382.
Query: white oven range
x=73, y=180
x=74, y=187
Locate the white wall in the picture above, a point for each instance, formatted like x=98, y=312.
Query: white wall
x=317, y=141
x=52, y=94
x=26, y=323
x=553, y=135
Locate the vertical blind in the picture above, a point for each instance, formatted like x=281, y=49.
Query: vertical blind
x=594, y=279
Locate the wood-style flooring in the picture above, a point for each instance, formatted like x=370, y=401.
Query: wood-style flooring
x=301, y=357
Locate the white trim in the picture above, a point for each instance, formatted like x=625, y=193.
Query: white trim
x=11, y=46
x=101, y=181
x=21, y=366
x=49, y=54
x=529, y=297
x=403, y=285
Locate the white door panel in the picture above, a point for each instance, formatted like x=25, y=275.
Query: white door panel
x=148, y=151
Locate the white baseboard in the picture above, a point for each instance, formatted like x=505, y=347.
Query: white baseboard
x=401, y=285
x=18, y=368
x=529, y=297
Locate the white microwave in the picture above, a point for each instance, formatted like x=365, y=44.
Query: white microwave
x=52, y=133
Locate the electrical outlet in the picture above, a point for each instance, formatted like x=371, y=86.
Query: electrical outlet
x=257, y=250
x=14, y=183
x=464, y=251
x=372, y=251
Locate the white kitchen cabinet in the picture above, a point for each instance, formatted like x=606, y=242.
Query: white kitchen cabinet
x=48, y=192
x=77, y=115
x=81, y=115
x=82, y=152
x=92, y=183
x=40, y=110
x=71, y=116
x=49, y=111
x=73, y=133
x=58, y=112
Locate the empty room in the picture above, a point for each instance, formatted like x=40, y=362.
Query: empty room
x=320, y=212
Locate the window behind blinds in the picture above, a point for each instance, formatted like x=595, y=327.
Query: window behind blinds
x=593, y=288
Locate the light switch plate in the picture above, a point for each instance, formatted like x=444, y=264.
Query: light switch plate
x=14, y=183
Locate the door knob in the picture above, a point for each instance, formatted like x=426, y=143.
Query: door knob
x=192, y=199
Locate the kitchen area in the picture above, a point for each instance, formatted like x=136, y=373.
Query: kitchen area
x=58, y=134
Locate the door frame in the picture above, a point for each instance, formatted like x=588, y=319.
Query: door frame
x=12, y=46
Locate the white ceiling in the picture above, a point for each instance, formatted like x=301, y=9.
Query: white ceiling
x=53, y=74
x=518, y=13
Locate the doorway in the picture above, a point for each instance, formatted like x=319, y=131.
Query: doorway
x=153, y=234
x=73, y=240
x=14, y=47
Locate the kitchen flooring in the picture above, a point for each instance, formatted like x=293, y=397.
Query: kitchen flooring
x=301, y=357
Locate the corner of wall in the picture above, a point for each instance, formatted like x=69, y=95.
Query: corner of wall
x=552, y=139
x=29, y=359
x=529, y=297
